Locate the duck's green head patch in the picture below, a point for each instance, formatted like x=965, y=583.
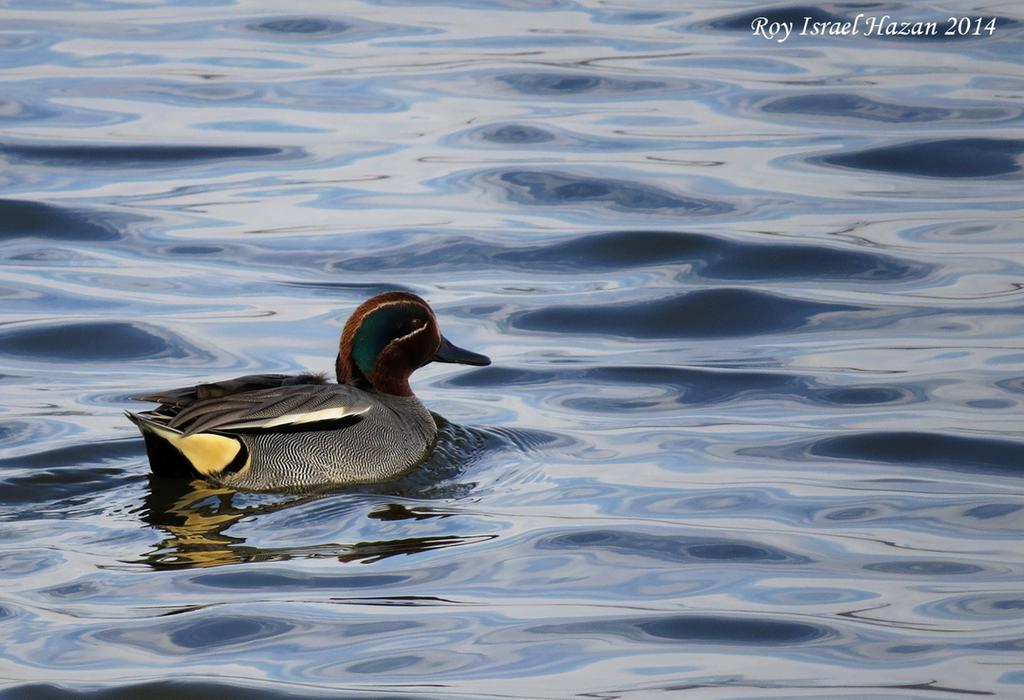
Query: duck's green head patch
x=383, y=325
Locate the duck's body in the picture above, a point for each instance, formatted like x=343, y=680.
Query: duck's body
x=265, y=432
x=296, y=435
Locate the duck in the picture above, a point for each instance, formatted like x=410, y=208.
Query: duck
x=269, y=432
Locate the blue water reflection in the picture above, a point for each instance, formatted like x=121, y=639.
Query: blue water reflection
x=753, y=422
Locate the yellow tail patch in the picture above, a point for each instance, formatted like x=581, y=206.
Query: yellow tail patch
x=208, y=454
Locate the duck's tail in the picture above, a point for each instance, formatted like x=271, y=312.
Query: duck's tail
x=201, y=455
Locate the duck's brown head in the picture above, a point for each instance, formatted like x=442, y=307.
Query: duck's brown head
x=390, y=336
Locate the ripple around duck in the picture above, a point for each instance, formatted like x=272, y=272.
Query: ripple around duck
x=299, y=27
x=192, y=250
x=710, y=257
x=547, y=139
x=906, y=448
x=14, y=111
x=356, y=291
x=514, y=134
x=56, y=484
x=1014, y=385
x=44, y=428
x=544, y=84
x=211, y=633
x=18, y=564
x=322, y=94
x=941, y=158
x=924, y=567
x=537, y=187
x=992, y=510
x=64, y=472
x=696, y=629
x=256, y=579
x=187, y=690
x=96, y=341
x=927, y=449
x=965, y=231
x=132, y=155
x=458, y=450
x=989, y=607
x=712, y=313
x=854, y=106
x=691, y=386
x=671, y=548
x=25, y=219
x=312, y=29
x=716, y=257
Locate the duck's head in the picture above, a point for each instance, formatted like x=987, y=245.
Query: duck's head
x=390, y=336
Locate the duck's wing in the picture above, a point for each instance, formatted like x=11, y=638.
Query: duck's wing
x=186, y=396
x=277, y=408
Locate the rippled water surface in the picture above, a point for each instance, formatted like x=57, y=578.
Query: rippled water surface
x=753, y=426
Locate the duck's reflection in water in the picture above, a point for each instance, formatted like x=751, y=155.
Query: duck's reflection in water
x=196, y=517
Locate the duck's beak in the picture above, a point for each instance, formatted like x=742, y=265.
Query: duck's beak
x=453, y=353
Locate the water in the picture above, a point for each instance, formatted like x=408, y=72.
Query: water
x=753, y=426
